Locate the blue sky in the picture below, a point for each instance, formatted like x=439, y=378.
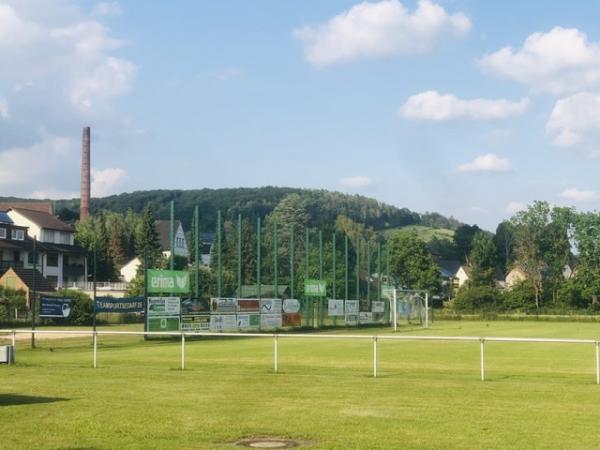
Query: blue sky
x=469, y=108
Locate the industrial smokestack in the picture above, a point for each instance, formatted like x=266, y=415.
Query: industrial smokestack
x=84, y=207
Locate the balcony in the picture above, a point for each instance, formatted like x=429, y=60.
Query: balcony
x=73, y=270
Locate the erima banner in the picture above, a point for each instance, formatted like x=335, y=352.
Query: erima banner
x=55, y=307
x=168, y=281
x=119, y=305
x=315, y=288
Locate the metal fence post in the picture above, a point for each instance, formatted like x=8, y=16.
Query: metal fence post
x=95, y=349
x=374, y=356
x=182, y=351
x=481, y=343
x=14, y=339
x=597, y=362
x=275, y=353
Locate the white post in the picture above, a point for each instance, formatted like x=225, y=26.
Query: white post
x=95, y=349
x=394, y=315
x=426, y=309
x=182, y=351
x=14, y=339
x=481, y=342
x=597, y=362
x=374, y=356
x=275, y=353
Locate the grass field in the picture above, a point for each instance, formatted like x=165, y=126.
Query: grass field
x=427, y=395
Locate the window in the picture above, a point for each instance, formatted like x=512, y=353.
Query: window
x=2, y=233
x=52, y=260
x=52, y=279
x=49, y=234
x=65, y=238
x=30, y=258
x=18, y=235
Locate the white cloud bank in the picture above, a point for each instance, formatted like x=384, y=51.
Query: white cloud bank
x=355, y=182
x=573, y=118
x=489, y=162
x=580, y=196
x=514, y=207
x=378, y=30
x=106, y=9
x=431, y=105
x=105, y=181
x=560, y=61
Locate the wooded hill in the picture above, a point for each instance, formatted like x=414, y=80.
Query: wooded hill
x=322, y=206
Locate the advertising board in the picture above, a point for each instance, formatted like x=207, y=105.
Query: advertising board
x=351, y=307
x=164, y=306
x=245, y=321
x=223, y=305
x=248, y=305
x=168, y=281
x=163, y=323
x=55, y=307
x=291, y=305
x=335, y=308
x=291, y=319
x=119, y=305
x=270, y=321
x=378, y=307
x=270, y=306
x=223, y=322
x=200, y=322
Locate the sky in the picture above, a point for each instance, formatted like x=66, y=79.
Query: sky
x=468, y=108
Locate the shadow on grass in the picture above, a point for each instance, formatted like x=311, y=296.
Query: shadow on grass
x=15, y=399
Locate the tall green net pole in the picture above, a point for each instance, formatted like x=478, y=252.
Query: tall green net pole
x=334, y=276
x=239, y=255
x=292, y=258
x=346, y=286
x=275, y=258
x=388, y=280
x=219, y=268
x=368, y=248
x=196, y=252
x=172, y=235
x=258, y=246
x=308, y=300
x=320, y=304
x=378, y=271
x=358, y=268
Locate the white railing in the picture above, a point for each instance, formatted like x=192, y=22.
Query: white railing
x=277, y=336
x=100, y=285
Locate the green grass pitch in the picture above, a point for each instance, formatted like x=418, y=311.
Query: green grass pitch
x=427, y=394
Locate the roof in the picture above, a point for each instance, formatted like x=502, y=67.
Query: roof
x=27, y=276
x=163, y=229
x=44, y=219
x=46, y=207
x=448, y=267
x=4, y=218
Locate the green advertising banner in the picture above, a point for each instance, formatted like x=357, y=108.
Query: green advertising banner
x=315, y=288
x=171, y=281
x=163, y=324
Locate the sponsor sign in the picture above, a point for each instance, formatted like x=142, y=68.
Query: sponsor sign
x=351, y=319
x=195, y=323
x=378, y=317
x=315, y=288
x=387, y=291
x=291, y=319
x=378, y=307
x=403, y=308
x=248, y=305
x=56, y=307
x=335, y=308
x=164, y=306
x=223, y=305
x=351, y=306
x=270, y=306
x=270, y=321
x=163, y=323
x=171, y=281
x=365, y=317
x=291, y=305
x=248, y=320
x=119, y=305
x=223, y=322
x=194, y=306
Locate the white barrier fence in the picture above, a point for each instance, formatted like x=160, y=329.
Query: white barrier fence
x=276, y=336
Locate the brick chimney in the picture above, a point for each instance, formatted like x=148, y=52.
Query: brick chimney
x=84, y=207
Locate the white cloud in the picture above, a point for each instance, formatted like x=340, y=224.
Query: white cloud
x=378, y=30
x=580, y=196
x=3, y=109
x=515, y=207
x=431, y=105
x=105, y=181
x=355, y=182
x=573, y=118
x=559, y=61
x=53, y=195
x=486, y=163
x=105, y=9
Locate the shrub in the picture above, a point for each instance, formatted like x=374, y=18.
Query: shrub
x=476, y=298
x=520, y=297
x=83, y=310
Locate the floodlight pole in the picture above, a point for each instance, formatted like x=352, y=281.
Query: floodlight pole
x=275, y=275
x=172, y=234
x=258, y=226
x=239, y=255
x=219, y=272
x=197, y=252
x=319, y=318
x=32, y=298
x=426, y=309
x=292, y=258
x=394, y=315
x=334, y=276
x=346, y=267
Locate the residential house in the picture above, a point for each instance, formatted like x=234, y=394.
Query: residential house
x=61, y=260
x=20, y=278
x=453, y=273
x=16, y=247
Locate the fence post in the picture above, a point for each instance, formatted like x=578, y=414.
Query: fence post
x=182, y=351
x=597, y=362
x=374, y=356
x=481, y=343
x=14, y=339
x=275, y=353
x=95, y=349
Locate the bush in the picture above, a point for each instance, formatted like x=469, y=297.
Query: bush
x=520, y=297
x=83, y=309
x=476, y=298
x=570, y=294
x=11, y=300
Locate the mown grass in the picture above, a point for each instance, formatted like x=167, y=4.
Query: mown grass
x=427, y=395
